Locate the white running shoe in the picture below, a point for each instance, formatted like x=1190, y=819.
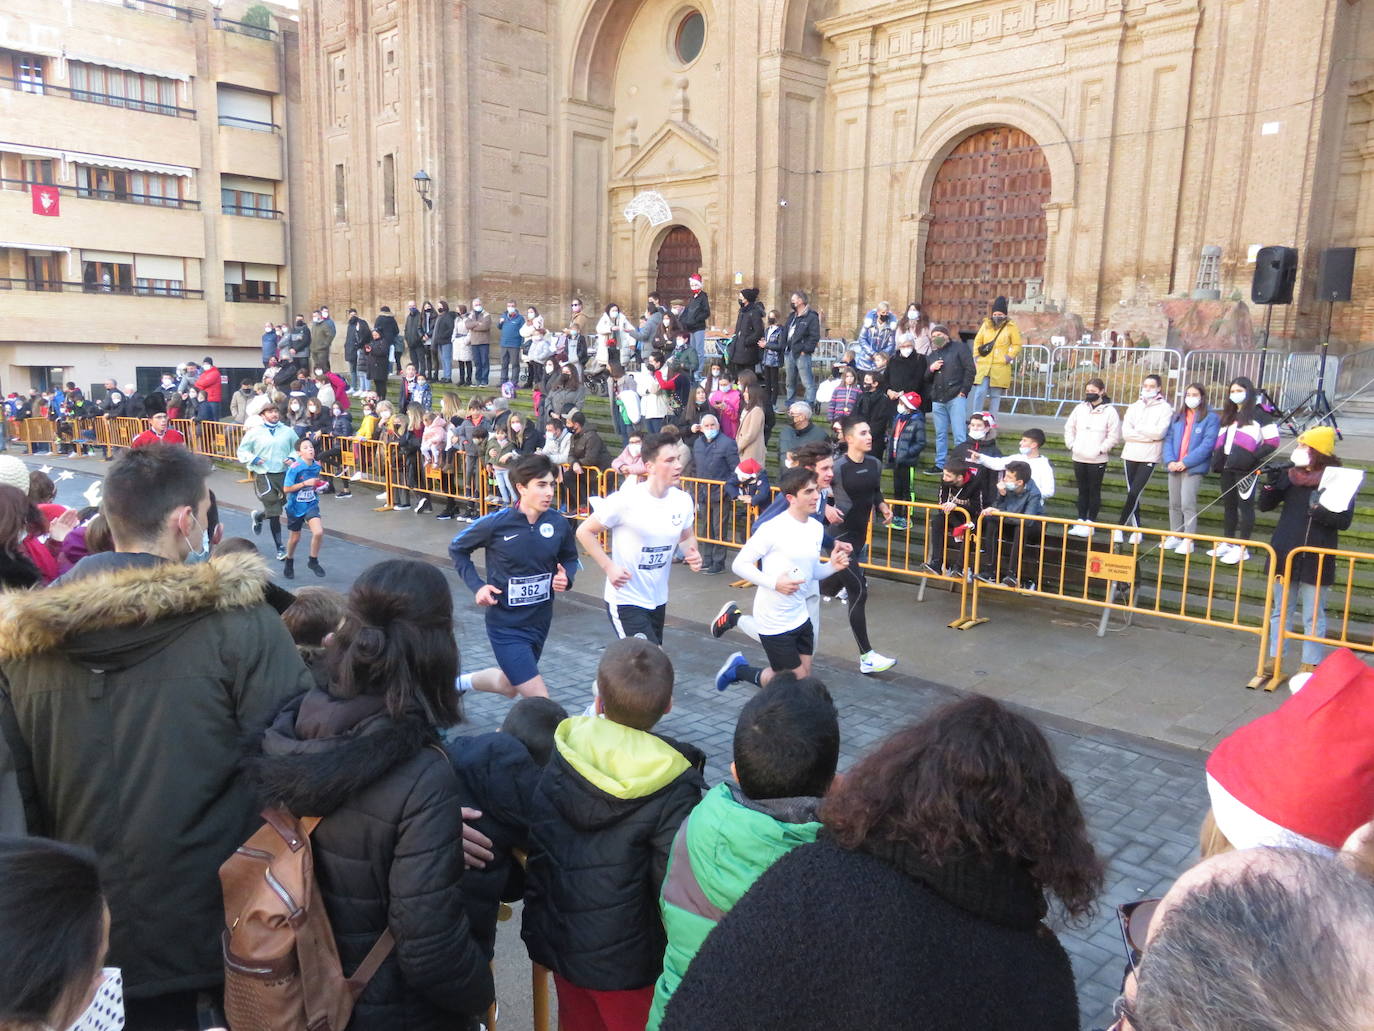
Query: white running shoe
x=1117, y=537
x=381, y=496
x=1136, y=538
x=1235, y=554
x=873, y=662
x=357, y=476
x=1171, y=543
x=1219, y=551
x=1080, y=530
x=1185, y=547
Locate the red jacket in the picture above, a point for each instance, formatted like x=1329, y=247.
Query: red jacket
x=147, y=437
x=209, y=381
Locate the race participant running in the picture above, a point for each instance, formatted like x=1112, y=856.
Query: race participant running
x=301, y=486
x=782, y=557
x=648, y=521
x=531, y=554
x=265, y=449
x=858, y=490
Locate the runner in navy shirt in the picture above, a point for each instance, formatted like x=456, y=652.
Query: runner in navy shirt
x=301, y=486
x=531, y=554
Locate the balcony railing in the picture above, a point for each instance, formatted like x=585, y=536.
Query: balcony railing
x=157, y=7
x=99, y=193
x=244, y=29
x=246, y=212
x=90, y=97
x=252, y=124
x=259, y=299
x=57, y=286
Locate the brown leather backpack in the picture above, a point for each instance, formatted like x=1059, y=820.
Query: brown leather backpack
x=281, y=964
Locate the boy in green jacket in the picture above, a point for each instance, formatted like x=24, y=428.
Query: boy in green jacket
x=787, y=744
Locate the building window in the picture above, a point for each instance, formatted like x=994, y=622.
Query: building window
x=27, y=70
x=340, y=195
x=389, y=186
x=107, y=277
x=129, y=187
x=253, y=198
x=38, y=171
x=245, y=282
x=245, y=109
x=689, y=37
x=116, y=87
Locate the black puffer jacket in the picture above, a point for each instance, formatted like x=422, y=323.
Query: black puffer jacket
x=496, y=775
x=1304, y=522
x=598, y=853
x=955, y=376
x=833, y=938
x=744, y=350
x=388, y=852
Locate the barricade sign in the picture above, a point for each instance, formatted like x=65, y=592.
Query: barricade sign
x=1104, y=565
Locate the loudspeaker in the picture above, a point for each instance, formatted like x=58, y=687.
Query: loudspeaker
x=1336, y=274
x=1276, y=268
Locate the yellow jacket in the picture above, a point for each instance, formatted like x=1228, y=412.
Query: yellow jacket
x=997, y=365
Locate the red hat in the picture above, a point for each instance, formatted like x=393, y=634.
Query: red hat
x=1307, y=767
x=748, y=469
x=911, y=399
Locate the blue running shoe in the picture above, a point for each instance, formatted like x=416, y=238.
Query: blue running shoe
x=729, y=673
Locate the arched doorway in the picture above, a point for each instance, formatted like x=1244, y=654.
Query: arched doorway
x=987, y=229
x=679, y=256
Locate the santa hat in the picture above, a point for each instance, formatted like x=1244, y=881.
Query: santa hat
x=747, y=469
x=988, y=420
x=911, y=400
x=695, y=277
x=1305, y=772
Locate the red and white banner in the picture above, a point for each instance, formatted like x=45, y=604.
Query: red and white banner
x=45, y=200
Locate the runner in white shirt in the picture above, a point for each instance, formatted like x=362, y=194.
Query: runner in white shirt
x=648, y=521
x=782, y=558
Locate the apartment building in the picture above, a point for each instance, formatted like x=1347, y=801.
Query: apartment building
x=144, y=187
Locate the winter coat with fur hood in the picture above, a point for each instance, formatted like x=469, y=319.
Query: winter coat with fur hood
x=127, y=691
x=388, y=852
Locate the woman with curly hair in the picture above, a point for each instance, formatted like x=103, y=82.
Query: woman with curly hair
x=923, y=903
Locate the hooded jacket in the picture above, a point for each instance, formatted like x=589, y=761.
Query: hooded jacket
x=388, y=852
x=744, y=350
x=128, y=689
x=601, y=825
x=1143, y=429
x=996, y=364
x=1303, y=522
x=1091, y=431
x=724, y=846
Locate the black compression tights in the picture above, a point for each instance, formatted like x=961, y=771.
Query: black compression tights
x=855, y=584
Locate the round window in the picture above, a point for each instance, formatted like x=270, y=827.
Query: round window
x=690, y=37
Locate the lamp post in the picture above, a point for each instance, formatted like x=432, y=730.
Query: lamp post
x=422, y=185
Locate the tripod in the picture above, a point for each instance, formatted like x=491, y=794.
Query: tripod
x=1263, y=395
x=1315, y=408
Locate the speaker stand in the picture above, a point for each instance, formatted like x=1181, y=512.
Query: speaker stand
x=1315, y=408
x=1263, y=394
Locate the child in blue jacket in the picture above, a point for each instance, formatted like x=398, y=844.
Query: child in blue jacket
x=1187, y=457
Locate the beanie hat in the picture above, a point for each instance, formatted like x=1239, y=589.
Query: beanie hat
x=987, y=417
x=14, y=473
x=939, y=327
x=750, y=294
x=911, y=400
x=748, y=469
x=999, y=306
x=1319, y=438
x=1304, y=773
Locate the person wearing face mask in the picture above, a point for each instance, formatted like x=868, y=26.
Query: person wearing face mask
x=478, y=324
x=914, y=328
x=414, y=334
x=611, y=332
x=423, y=357
x=949, y=378
x=802, y=334
x=629, y=463
x=1245, y=440
x=264, y=451
x=979, y=444
x=877, y=337
x=509, y=325
x=696, y=315
x=385, y=324
x=714, y=458
x=1306, y=519
x=1091, y=431
x=1007, y=557
x=1143, y=429
x=774, y=348
x=270, y=340
x=744, y=347
x=190, y=659
x=1187, y=457
x=439, y=349
x=995, y=347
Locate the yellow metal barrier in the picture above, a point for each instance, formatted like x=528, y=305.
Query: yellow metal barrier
x=1044, y=560
x=926, y=541
x=33, y=431
x=720, y=520
x=1352, y=574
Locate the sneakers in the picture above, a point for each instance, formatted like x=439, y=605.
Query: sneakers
x=873, y=662
x=314, y=566
x=445, y=515
x=1171, y=543
x=1234, y=554
x=381, y=496
x=357, y=475
x=729, y=673
x=1080, y=530
x=402, y=508
x=986, y=578
x=1185, y=547
x=289, y=569
x=257, y=521
x=281, y=554
x=1012, y=582
x=1218, y=551
x=1136, y=538
x=341, y=494
x=726, y=619
x=931, y=568
x=899, y=524
x=1118, y=537
x=712, y=570
x=424, y=506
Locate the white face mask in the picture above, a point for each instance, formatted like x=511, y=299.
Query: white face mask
x=1238, y=397
x=194, y=556
x=977, y=434
x=634, y=450
x=1024, y=450
x=1302, y=457
x=615, y=313
x=1192, y=402
x=1148, y=393
x=906, y=351
x=913, y=313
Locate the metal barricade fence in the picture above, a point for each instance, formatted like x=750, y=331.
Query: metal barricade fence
x=924, y=541
x=720, y=520
x=1356, y=375
x=1030, y=376
x=1343, y=613
x=1037, y=556
x=831, y=350
x=1300, y=375
x=1122, y=369
x=1217, y=370
x=34, y=431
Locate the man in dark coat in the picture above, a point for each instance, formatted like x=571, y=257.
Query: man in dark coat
x=744, y=349
x=127, y=690
x=391, y=336
x=803, y=334
x=322, y=340
x=356, y=337
x=695, y=318
x=714, y=457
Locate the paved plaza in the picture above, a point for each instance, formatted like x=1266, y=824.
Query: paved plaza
x=1144, y=798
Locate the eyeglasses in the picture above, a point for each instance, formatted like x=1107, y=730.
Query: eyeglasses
x=1134, y=920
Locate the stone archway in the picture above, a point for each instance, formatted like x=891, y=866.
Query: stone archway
x=986, y=230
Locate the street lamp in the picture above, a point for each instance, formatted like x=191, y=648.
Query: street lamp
x=422, y=184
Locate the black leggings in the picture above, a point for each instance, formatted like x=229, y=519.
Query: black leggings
x=1137, y=476
x=855, y=584
x=464, y=374
x=1089, y=477
x=901, y=483
x=770, y=384
x=1240, y=511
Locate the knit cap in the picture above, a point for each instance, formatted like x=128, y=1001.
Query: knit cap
x=1319, y=438
x=14, y=473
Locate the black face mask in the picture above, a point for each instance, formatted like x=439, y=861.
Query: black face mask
x=1092, y=399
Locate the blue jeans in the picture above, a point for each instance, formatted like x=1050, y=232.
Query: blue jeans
x=510, y=365
x=481, y=366
x=801, y=379
x=1311, y=598
x=699, y=346
x=361, y=381
x=951, y=419
x=983, y=390
x=446, y=361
